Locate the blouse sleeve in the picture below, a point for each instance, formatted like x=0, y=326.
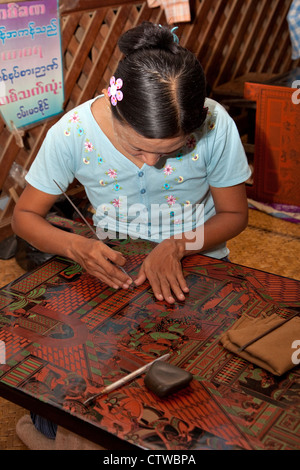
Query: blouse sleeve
x=226, y=163
x=53, y=162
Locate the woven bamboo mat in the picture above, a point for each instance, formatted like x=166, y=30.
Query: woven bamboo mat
x=268, y=244
x=9, y=416
x=9, y=271
x=9, y=412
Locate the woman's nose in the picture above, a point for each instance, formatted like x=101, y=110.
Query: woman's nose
x=150, y=158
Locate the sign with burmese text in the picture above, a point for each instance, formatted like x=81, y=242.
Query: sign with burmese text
x=31, y=74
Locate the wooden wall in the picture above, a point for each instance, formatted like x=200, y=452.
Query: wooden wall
x=230, y=38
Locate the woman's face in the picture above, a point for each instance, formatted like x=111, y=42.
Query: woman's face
x=142, y=149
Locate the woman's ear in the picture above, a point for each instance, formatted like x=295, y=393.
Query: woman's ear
x=105, y=93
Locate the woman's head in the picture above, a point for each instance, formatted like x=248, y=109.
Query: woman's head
x=163, y=86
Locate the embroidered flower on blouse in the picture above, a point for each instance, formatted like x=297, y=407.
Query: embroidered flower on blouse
x=171, y=200
x=67, y=132
x=113, y=90
x=116, y=203
x=180, y=179
x=179, y=155
x=168, y=170
x=86, y=160
x=111, y=173
x=103, y=209
x=80, y=131
x=74, y=117
x=195, y=157
x=187, y=203
x=102, y=183
x=177, y=222
x=88, y=146
x=166, y=186
x=99, y=160
x=117, y=187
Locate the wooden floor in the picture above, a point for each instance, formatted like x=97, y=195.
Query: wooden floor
x=269, y=244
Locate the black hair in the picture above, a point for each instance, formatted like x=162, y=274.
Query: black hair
x=164, y=86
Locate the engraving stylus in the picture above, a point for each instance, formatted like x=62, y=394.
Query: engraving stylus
x=90, y=227
x=126, y=379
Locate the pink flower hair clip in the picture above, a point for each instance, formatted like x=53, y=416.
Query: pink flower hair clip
x=113, y=90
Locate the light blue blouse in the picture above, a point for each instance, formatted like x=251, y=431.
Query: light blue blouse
x=153, y=202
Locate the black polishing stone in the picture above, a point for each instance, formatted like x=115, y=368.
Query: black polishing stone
x=163, y=378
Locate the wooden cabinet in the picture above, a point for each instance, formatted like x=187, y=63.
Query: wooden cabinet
x=276, y=176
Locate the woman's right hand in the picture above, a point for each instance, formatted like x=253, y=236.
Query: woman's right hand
x=100, y=261
x=93, y=255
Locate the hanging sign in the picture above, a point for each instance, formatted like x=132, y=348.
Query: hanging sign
x=31, y=73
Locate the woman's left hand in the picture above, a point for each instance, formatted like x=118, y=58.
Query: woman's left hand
x=162, y=268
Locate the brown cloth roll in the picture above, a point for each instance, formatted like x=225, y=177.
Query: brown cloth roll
x=274, y=351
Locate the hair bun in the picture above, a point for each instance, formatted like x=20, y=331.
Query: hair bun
x=147, y=36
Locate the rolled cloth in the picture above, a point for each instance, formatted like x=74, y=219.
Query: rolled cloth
x=273, y=352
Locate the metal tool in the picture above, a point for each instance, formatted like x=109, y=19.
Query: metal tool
x=126, y=379
x=90, y=227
